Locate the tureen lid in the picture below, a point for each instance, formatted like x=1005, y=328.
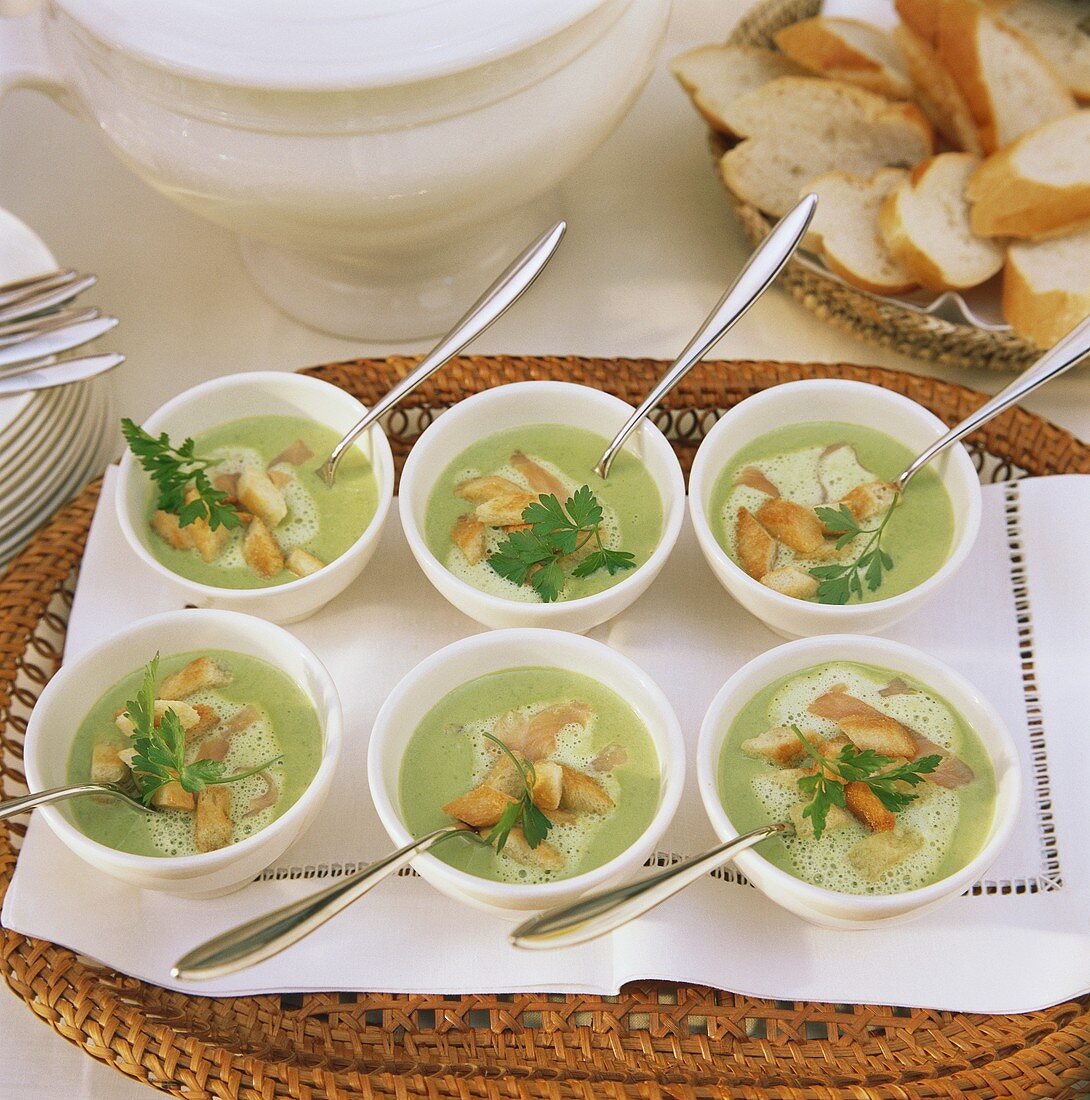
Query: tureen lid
x=323, y=43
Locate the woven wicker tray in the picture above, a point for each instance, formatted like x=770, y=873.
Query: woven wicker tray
x=655, y=1040
x=876, y=320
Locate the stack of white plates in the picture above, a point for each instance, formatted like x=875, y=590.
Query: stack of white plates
x=51, y=442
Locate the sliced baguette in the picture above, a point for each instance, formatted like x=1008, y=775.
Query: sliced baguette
x=1039, y=186
x=846, y=49
x=798, y=128
x=925, y=224
x=1009, y=86
x=845, y=227
x=1060, y=30
x=715, y=76
x=936, y=92
x=1046, y=287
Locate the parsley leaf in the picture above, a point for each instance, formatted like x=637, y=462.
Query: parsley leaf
x=159, y=756
x=837, y=584
x=557, y=531
x=825, y=787
x=535, y=825
x=175, y=470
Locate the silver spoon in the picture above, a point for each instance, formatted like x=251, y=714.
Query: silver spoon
x=263, y=937
x=1052, y=364
x=58, y=794
x=753, y=280
x=596, y=914
x=495, y=301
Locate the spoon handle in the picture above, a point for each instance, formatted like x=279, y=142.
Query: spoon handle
x=503, y=293
x=44, y=798
x=1053, y=363
x=597, y=914
x=752, y=281
x=265, y=936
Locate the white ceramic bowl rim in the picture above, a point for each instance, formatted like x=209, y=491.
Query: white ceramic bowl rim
x=673, y=503
x=887, y=653
x=671, y=785
x=382, y=465
x=222, y=857
x=958, y=552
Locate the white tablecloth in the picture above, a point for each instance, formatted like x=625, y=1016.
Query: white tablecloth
x=651, y=246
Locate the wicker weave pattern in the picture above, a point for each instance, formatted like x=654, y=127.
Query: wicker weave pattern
x=655, y=1040
x=872, y=319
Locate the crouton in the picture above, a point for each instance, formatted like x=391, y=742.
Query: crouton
x=227, y=483
x=835, y=820
x=207, y=719
x=188, y=716
x=261, y=551
x=865, y=807
x=537, y=477
x=561, y=817
x=106, y=765
x=468, y=534
x=173, y=796
x=828, y=748
x=212, y=826
x=208, y=542
x=542, y=858
x=777, y=745
x=198, y=675
x=294, y=455
x=480, y=489
x=548, y=785
x=754, y=478
x=281, y=478
x=583, y=794
x=879, y=732
x=504, y=777
x=257, y=494
x=790, y=580
x=869, y=499
x=874, y=855
x=481, y=806
x=792, y=524
x=167, y=527
x=755, y=547
x=303, y=563
x=505, y=509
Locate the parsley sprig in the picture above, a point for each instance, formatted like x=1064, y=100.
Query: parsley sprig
x=825, y=787
x=557, y=531
x=838, y=583
x=174, y=469
x=160, y=750
x=535, y=825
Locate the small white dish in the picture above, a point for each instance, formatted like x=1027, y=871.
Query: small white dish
x=526, y=404
x=258, y=394
x=466, y=660
x=73, y=691
x=854, y=403
x=830, y=908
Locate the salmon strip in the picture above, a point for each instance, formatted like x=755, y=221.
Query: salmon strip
x=295, y=455
x=537, y=477
x=535, y=736
x=480, y=489
x=951, y=773
x=754, y=478
x=245, y=717
x=264, y=801
x=214, y=748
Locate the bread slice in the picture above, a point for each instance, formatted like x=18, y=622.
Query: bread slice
x=936, y=92
x=845, y=227
x=1009, y=86
x=925, y=224
x=922, y=17
x=846, y=49
x=1046, y=287
x=798, y=128
x=715, y=76
x=1060, y=29
x=1039, y=186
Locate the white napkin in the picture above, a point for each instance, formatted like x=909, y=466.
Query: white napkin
x=1017, y=943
